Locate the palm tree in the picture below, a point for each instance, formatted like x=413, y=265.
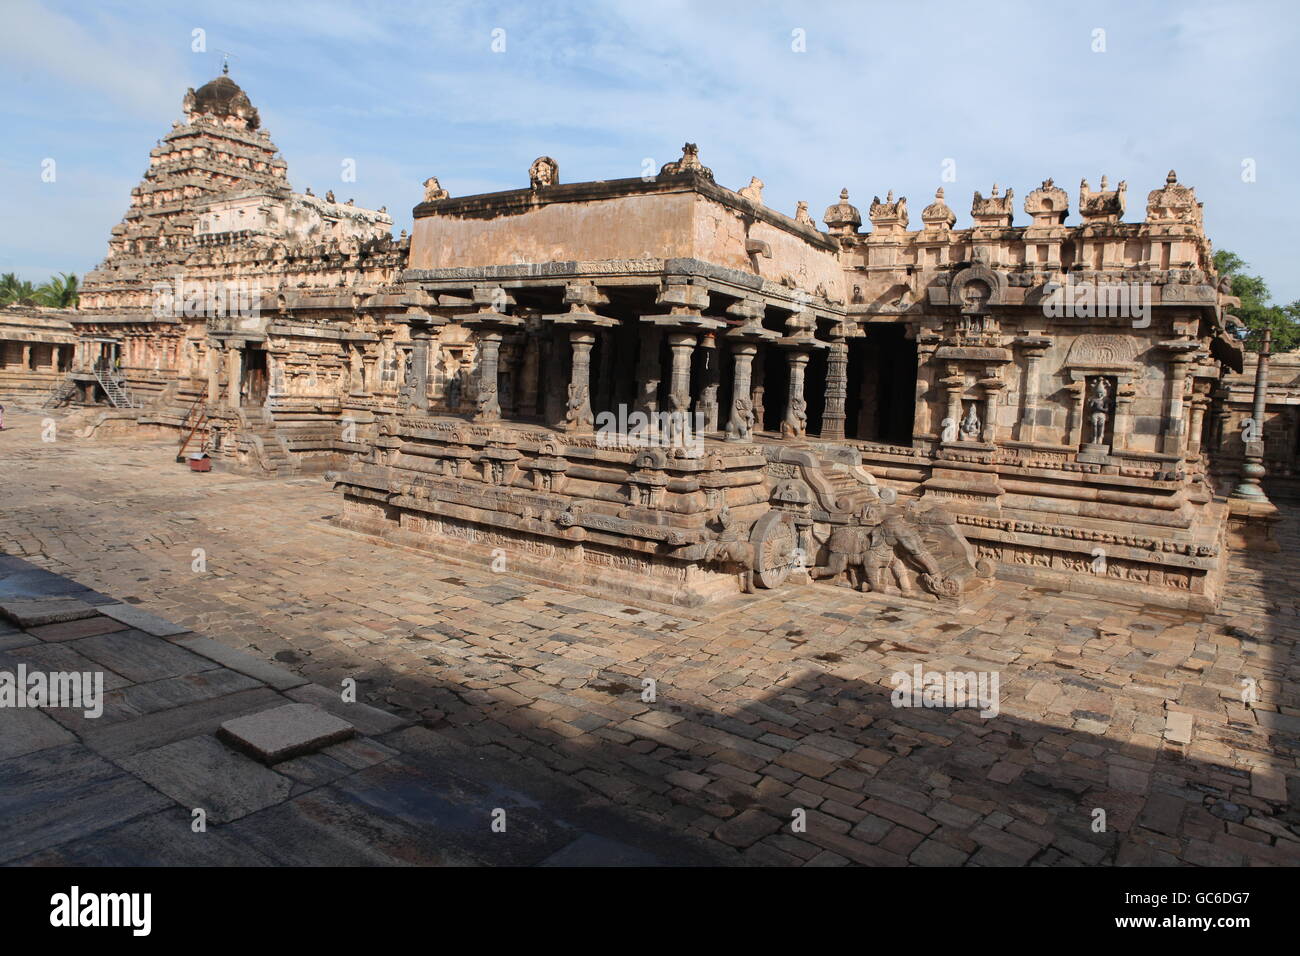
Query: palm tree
x=13, y=289
x=60, y=292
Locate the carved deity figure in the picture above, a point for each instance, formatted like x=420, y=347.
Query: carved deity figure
x=970, y=425
x=1099, y=410
x=754, y=191
x=544, y=172
x=802, y=216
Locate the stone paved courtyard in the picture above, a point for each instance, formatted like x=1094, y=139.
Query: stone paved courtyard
x=779, y=702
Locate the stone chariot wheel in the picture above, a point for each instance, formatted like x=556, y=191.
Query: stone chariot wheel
x=775, y=540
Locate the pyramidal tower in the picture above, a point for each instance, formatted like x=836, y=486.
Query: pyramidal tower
x=219, y=149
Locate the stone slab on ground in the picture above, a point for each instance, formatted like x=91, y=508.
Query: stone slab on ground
x=33, y=612
x=368, y=720
x=65, y=793
x=141, y=657
x=199, y=773
x=282, y=733
x=142, y=620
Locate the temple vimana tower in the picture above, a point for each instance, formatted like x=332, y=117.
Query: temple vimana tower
x=664, y=389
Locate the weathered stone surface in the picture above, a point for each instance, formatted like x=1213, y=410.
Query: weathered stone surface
x=25, y=730
x=200, y=773
x=133, y=616
x=75, y=630
x=366, y=719
x=264, y=671
x=65, y=793
x=141, y=657
x=284, y=732
x=34, y=612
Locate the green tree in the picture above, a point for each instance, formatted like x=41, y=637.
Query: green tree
x=1257, y=310
x=60, y=292
x=13, y=289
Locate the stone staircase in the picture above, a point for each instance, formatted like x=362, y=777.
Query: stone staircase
x=274, y=454
x=60, y=393
x=115, y=389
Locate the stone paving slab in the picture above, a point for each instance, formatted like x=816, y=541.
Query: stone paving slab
x=201, y=773
x=780, y=701
x=281, y=733
x=30, y=611
x=62, y=794
x=141, y=620
x=278, y=677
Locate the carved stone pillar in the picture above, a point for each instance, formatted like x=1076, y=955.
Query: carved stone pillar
x=1124, y=393
x=1200, y=402
x=795, y=423
x=1034, y=346
x=489, y=351
x=420, y=336
x=682, y=345
x=648, y=372
x=233, y=356
x=369, y=375
x=214, y=374
x=837, y=384
x=1174, y=428
x=993, y=387
x=954, y=384
x=927, y=343
x=740, y=426
x=578, y=415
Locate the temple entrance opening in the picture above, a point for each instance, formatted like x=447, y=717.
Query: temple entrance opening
x=881, y=386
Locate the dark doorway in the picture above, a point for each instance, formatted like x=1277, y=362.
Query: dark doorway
x=882, y=386
x=253, y=377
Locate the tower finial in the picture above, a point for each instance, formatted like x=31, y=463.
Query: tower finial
x=225, y=64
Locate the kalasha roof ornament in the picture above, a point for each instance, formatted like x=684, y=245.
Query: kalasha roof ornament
x=843, y=218
x=221, y=97
x=1173, y=203
x=938, y=215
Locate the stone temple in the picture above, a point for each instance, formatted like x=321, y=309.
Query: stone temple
x=662, y=388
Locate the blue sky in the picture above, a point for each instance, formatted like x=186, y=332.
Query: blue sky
x=882, y=95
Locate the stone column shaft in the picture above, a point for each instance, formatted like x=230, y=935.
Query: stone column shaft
x=578, y=416
x=489, y=352
x=420, y=336
x=740, y=425
x=837, y=390
x=795, y=423
x=682, y=346
x=648, y=372
x=232, y=376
